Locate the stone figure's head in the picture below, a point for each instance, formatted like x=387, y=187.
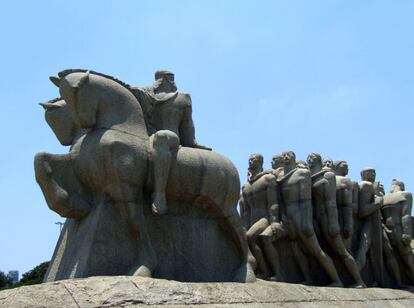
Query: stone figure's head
x=165, y=79
x=313, y=160
x=60, y=120
x=368, y=174
x=256, y=161
x=341, y=167
x=327, y=162
x=397, y=185
x=289, y=158
x=277, y=161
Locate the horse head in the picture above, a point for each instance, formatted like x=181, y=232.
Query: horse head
x=61, y=121
x=81, y=102
x=100, y=101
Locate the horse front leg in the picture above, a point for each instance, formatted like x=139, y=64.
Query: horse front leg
x=60, y=187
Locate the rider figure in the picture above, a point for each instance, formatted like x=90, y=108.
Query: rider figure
x=169, y=122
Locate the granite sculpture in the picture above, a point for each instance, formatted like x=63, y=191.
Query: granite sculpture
x=140, y=196
x=328, y=229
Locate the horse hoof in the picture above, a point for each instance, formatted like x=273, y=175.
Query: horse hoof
x=143, y=271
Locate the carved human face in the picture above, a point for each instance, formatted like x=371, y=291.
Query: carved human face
x=288, y=158
x=255, y=162
x=311, y=160
x=277, y=161
x=369, y=175
x=328, y=162
x=343, y=168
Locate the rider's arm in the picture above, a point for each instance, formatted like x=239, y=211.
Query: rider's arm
x=187, y=131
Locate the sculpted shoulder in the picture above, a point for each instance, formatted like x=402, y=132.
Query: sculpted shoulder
x=183, y=99
x=365, y=186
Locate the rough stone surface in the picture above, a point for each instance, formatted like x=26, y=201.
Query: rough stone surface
x=138, y=201
x=129, y=291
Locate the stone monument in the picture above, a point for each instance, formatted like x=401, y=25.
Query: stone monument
x=141, y=197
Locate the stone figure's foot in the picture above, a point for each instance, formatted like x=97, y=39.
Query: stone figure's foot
x=159, y=204
x=261, y=276
x=244, y=273
x=336, y=284
x=358, y=285
x=143, y=271
x=275, y=278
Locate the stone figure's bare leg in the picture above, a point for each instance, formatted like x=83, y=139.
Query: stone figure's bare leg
x=252, y=240
x=148, y=258
x=407, y=257
x=339, y=248
x=312, y=244
x=364, y=245
x=267, y=237
x=302, y=260
x=390, y=260
x=245, y=273
x=309, y=239
x=163, y=142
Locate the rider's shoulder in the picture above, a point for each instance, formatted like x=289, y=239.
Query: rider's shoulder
x=184, y=98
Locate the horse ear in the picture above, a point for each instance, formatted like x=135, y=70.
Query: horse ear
x=55, y=80
x=83, y=80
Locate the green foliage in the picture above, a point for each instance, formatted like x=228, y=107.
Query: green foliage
x=5, y=281
x=34, y=276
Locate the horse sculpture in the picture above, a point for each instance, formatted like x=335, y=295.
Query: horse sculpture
x=102, y=186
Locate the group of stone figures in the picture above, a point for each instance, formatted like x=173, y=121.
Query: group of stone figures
x=309, y=222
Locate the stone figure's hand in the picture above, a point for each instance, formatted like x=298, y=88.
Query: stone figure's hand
x=406, y=239
x=203, y=147
x=333, y=230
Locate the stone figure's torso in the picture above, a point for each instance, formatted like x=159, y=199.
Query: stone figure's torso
x=169, y=115
x=256, y=194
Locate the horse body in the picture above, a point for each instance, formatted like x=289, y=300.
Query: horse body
x=111, y=159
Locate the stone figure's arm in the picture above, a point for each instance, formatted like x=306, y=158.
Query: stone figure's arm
x=366, y=206
x=245, y=211
x=355, y=197
x=272, y=200
x=187, y=130
x=347, y=210
x=330, y=199
x=406, y=219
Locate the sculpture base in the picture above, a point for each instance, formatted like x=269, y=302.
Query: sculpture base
x=126, y=291
x=190, y=245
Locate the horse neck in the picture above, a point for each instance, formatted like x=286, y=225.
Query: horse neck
x=118, y=109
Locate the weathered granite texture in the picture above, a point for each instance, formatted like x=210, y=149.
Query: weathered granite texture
x=309, y=222
x=141, y=197
x=129, y=291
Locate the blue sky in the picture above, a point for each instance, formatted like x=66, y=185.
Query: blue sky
x=334, y=76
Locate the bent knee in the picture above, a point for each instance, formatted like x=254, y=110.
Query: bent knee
x=165, y=137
